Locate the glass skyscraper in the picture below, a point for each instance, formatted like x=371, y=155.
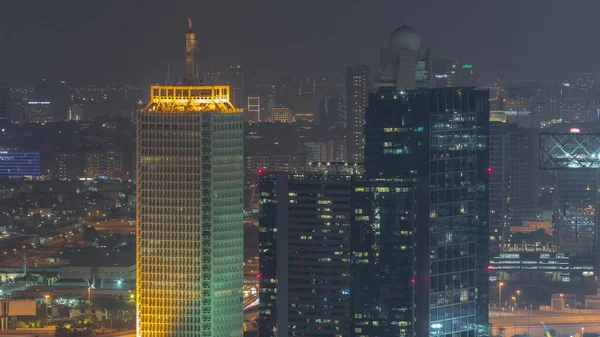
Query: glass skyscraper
x=336, y=255
x=382, y=261
x=440, y=137
x=305, y=254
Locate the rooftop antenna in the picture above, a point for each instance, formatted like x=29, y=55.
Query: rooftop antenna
x=190, y=51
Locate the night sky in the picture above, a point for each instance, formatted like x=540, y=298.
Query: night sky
x=132, y=41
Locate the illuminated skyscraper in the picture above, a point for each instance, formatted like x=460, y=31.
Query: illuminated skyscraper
x=439, y=138
x=189, y=211
x=357, y=91
x=304, y=253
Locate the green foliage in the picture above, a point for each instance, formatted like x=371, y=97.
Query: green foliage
x=21, y=324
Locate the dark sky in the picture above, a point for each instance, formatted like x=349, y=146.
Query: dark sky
x=101, y=41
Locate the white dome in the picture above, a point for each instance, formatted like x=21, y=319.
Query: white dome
x=405, y=37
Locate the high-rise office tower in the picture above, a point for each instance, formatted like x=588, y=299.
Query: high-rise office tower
x=357, y=91
x=189, y=211
x=336, y=254
x=499, y=179
x=523, y=174
x=236, y=83
x=383, y=257
x=304, y=254
x=514, y=175
x=440, y=136
x=4, y=100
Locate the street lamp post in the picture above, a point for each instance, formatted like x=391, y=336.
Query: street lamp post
x=518, y=297
x=47, y=306
x=514, y=302
x=500, y=294
x=582, y=331
x=90, y=299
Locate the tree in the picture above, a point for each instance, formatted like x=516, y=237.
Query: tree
x=62, y=331
x=500, y=331
x=89, y=327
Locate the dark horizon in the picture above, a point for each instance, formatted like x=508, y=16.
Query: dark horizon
x=133, y=41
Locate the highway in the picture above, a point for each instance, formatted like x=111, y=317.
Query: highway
x=528, y=321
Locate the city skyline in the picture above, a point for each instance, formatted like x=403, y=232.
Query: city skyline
x=332, y=169
x=96, y=42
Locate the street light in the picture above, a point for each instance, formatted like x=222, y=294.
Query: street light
x=518, y=296
x=582, y=331
x=47, y=298
x=90, y=299
x=500, y=294
x=514, y=301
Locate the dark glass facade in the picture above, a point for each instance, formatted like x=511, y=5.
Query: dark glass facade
x=336, y=255
x=440, y=136
x=382, y=257
x=304, y=252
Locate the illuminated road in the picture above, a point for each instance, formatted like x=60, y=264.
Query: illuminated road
x=251, y=302
x=529, y=322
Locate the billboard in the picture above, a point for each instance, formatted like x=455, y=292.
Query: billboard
x=21, y=308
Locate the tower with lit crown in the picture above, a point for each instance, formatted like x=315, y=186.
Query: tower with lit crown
x=189, y=210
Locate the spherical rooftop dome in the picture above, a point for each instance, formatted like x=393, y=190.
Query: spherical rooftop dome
x=405, y=37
